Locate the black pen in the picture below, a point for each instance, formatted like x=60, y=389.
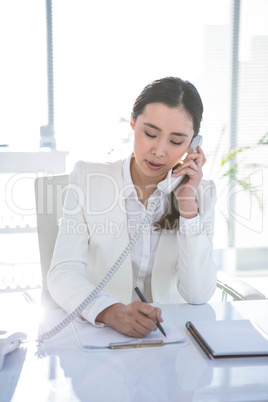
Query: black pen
x=159, y=326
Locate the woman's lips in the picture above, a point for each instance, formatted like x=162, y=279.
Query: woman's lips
x=154, y=165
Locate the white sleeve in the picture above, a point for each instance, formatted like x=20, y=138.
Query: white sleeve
x=66, y=279
x=73, y=274
x=196, y=269
x=189, y=227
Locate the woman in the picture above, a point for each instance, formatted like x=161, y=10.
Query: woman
x=172, y=260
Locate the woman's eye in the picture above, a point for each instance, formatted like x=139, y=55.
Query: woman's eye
x=176, y=143
x=149, y=135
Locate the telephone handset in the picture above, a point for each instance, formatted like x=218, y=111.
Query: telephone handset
x=168, y=185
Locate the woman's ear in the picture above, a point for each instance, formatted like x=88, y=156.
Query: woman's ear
x=132, y=121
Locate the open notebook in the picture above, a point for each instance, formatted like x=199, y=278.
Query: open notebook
x=229, y=338
x=91, y=337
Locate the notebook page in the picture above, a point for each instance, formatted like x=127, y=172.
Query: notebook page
x=91, y=336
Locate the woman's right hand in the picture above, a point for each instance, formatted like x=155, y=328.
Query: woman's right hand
x=136, y=319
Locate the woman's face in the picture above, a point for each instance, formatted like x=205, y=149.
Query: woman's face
x=162, y=134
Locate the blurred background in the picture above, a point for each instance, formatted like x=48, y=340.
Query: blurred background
x=70, y=72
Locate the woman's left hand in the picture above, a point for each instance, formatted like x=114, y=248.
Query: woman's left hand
x=185, y=193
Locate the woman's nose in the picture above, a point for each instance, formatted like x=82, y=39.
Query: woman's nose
x=159, y=150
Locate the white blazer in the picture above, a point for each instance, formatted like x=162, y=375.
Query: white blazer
x=86, y=247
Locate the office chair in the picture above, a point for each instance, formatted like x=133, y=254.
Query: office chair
x=49, y=195
x=49, y=198
x=237, y=288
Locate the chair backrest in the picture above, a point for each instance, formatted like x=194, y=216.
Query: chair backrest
x=49, y=199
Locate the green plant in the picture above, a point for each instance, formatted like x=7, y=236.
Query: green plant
x=234, y=168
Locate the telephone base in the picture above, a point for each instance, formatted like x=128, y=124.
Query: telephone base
x=9, y=341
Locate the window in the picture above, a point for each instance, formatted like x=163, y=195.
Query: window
x=106, y=52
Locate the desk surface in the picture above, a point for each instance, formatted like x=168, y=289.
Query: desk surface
x=165, y=374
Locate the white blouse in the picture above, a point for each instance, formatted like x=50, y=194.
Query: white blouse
x=144, y=251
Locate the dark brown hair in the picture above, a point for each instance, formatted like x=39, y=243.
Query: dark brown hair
x=172, y=92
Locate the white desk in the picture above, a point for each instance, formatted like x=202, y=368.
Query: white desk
x=164, y=374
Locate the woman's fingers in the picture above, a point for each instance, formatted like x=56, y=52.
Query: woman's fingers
x=184, y=168
x=137, y=319
x=203, y=156
x=198, y=157
x=194, y=160
x=145, y=317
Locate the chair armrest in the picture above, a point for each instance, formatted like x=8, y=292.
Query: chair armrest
x=237, y=288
